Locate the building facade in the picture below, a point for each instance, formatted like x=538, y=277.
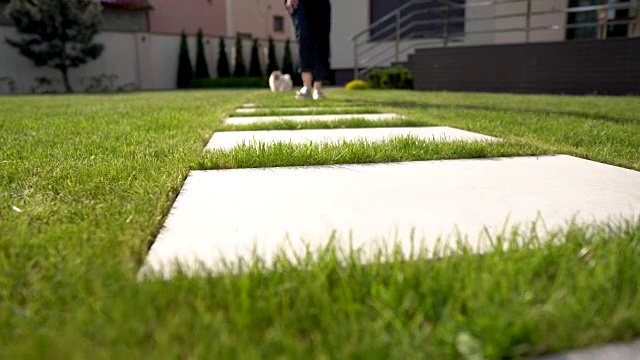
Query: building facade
x=449, y=23
x=142, y=43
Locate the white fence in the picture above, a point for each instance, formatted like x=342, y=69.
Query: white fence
x=129, y=61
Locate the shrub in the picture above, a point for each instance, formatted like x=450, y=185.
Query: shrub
x=357, y=85
x=223, y=61
x=240, y=69
x=272, y=65
x=185, y=71
x=231, y=82
x=393, y=78
x=255, y=69
x=58, y=34
x=202, y=69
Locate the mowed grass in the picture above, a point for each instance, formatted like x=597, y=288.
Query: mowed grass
x=402, y=148
x=87, y=180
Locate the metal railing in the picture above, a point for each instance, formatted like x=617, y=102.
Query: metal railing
x=441, y=23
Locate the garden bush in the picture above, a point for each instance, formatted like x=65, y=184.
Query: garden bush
x=357, y=85
x=396, y=77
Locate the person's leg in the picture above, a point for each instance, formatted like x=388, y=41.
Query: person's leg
x=306, y=48
x=321, y=34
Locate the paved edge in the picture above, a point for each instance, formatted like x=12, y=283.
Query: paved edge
x=615, y=351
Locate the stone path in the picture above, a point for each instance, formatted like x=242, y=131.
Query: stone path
x=278, y=207
x=227, y=140
x=623, y=351
x=230, y=213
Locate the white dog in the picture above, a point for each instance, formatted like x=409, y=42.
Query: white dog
x=279, y=82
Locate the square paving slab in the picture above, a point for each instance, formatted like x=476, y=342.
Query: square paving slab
x=302, y=118
x=618, y=351
x=227, y=140
x=225, y=214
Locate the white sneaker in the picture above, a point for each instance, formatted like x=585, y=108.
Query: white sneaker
x=303, y=94
x=318, y=94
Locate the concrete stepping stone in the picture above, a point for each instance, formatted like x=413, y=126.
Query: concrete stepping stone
x=225, y=214
x=302, y=118
x=248, y=105
x=289, y=109
x=619, y=351
x=226, y=140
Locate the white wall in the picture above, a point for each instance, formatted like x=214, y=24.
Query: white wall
x=117, y=59
x=139, y=60
x=348, y=18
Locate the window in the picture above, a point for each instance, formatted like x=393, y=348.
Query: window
x=278, y=24
x=597, y=24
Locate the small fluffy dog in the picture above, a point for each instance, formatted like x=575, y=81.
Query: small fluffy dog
x=279, y=82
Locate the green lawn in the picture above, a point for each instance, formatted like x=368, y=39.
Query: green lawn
x=87, y=180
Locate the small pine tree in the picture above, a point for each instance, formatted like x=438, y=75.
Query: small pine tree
x=272, y=65
x=255, y=69
x=57, y=33
x=223, y=61
x=202, y=69
x=185, y=70
x=240, y=69
x=287, y=61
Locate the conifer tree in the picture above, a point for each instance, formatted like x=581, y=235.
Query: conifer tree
x=255, y=69
x=272, y=65
x=223, y=60
x=185, y=70
x=240, y=69
x=202, y=69
x=287, y=61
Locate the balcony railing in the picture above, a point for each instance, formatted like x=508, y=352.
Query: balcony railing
x=442, y=23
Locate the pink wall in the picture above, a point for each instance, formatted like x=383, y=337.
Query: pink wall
x=173, y=16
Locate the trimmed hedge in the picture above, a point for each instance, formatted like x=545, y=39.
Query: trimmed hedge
x=396, y=77
x=231, y=83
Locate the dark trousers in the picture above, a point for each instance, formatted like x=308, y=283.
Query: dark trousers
x=312, y=20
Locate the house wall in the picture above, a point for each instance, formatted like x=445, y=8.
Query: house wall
x=118, y=58
x=255, y=17
x=124, y=20
x=478, y=31
x=348, y=18
x=130, y=60
x=172, y=17
x=519, y=22
x=575, y=67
